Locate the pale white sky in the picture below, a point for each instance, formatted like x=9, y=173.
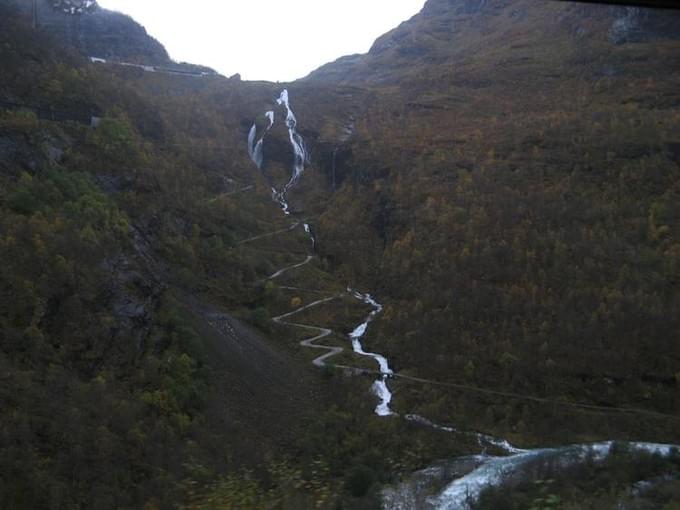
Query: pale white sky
x=274, y=40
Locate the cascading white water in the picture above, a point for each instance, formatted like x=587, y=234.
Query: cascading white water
x=296, y=140
x=280, y=198
x=311, y=235
x=493, y=471
x=379, y=387
x=255, y=148
x=477, y=472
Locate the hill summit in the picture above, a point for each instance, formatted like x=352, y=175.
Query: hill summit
x=94, y=31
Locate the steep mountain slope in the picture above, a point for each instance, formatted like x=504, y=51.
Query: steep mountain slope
x=140, y=366
x=123, y=374
x=512, y=184
x=502, y=176
x=451, y=35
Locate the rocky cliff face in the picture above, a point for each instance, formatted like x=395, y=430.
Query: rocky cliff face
x=97, y=32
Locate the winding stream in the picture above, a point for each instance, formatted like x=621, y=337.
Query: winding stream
x=255, y=150
x=380, y=385
x=463, y=478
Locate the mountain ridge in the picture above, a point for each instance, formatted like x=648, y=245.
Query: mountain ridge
x=97, y=32
x=464, y=23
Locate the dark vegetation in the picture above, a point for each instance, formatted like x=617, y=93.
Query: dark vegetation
x=626, y=479
x=511, y=198
x=120, y=245
x=525, y=227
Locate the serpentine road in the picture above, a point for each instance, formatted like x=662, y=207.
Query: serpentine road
x=323, y=332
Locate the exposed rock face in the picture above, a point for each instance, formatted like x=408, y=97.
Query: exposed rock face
x=635, y=25
x=97, y=32
x=446, y=32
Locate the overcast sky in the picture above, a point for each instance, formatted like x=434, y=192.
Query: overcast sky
x=274, y=40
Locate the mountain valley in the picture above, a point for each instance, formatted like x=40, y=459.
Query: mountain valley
x=368, y=288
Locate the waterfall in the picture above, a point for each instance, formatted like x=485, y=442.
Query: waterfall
x=379, y=387
x=299, y=150
x=255, y=149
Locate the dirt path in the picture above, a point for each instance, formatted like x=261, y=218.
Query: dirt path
x=323, y=332
x=270, y=234
x=295, y=266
